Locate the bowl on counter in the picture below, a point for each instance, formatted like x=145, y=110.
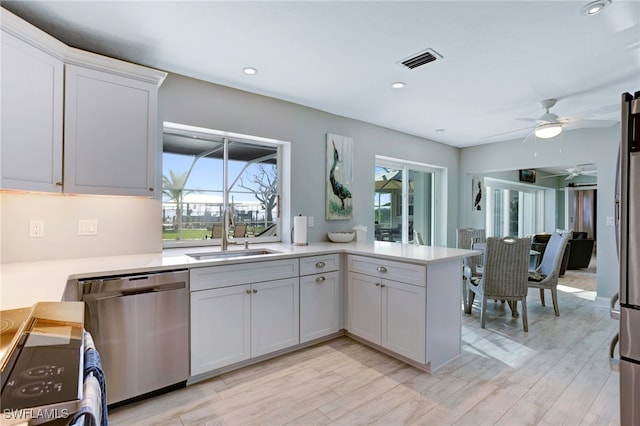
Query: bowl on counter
x=341, y=237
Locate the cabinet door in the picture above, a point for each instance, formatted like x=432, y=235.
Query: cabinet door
x=319, y=304
x=274, y=315
x=32, y=106
x=220, y=327
x=110, y=133
x=404, y=319
x=364, y=307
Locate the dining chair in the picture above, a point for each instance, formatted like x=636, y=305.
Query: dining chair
x=545, y=277
x=504, y=277
x=471, y=266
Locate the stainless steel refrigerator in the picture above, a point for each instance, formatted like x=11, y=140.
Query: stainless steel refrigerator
x=628, y=232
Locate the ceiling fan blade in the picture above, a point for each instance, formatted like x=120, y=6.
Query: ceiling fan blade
x=571, y=176
x=527, y=119
x=589, y=124
x=550, y=176
x=496, y=135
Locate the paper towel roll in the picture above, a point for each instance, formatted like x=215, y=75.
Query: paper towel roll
x=299, y=237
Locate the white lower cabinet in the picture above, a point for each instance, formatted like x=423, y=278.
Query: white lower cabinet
x=220, y=327
x=385, y=312
x=319, y=305
x=274, y=316
x=233, y=324
x=388, y=313
x=242, y=311
x=320, y=296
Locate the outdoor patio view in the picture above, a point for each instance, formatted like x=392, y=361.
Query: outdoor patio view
x=193, y=187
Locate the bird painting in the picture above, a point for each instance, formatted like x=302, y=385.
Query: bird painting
x=339, y=189
x=338, y=171
x=476, y=203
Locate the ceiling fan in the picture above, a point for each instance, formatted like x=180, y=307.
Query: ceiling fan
x=572, y=172
x=549, y=125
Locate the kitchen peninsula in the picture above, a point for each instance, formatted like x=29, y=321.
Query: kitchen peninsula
x=415, y=290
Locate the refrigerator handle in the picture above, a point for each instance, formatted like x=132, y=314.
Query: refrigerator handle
x=614, y=363
x=614, y=311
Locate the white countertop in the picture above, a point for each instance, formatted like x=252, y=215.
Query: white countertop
x=25, y=283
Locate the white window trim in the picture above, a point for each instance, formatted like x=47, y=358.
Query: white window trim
x=284, y=182
x=439, y=209
x=513, y=186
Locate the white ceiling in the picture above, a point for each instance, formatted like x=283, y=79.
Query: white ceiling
x=499, y=58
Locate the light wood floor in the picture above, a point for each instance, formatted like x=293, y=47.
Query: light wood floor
x=556, y=374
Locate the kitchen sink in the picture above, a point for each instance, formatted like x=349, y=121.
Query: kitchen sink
x=230, y=254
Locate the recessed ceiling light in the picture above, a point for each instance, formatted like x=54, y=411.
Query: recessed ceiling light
x=398, y=85
x=594, y=7
x=249, y=70
x=439, y=130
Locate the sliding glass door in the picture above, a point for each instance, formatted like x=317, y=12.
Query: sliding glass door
x=404, y=201
x=513, y=210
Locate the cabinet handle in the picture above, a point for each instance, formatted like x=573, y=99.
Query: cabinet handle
x=320, y=279
x=383, y=285
x=320, y=265
x=377, y=284
x=59, y=183
x=255, y=291
x=248, y=291
x=381, y=269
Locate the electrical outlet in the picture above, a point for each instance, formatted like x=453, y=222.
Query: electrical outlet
x=311, y=221
x=88, y=227
x=36, y=228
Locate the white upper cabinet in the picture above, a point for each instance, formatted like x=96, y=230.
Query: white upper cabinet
x=32, y=105
x=110, y=133
x=96, y=116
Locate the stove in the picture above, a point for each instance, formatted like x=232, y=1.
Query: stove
x=41, y=351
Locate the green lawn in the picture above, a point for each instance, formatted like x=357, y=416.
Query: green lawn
x=196, y=234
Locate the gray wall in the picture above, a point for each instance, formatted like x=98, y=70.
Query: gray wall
x=573, y=147
x=197, y=103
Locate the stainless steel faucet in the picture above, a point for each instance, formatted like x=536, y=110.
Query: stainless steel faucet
x=227, y=219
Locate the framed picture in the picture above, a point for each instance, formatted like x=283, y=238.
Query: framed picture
x=476, y=194
x=528, y=175
x=339, y=205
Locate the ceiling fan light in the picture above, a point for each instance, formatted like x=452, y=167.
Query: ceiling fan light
x=594, y=7
x=548, y=130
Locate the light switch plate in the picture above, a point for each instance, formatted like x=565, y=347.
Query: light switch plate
x=88, y=227
x=311, y=221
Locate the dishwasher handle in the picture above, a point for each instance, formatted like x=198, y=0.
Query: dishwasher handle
x=135, y=291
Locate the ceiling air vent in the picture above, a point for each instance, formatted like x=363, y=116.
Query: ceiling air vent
x=420, y=59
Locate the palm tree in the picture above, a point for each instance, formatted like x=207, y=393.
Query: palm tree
x=173, y=188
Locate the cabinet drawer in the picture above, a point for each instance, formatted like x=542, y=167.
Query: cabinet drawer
x=397, y=271
x=319, y=264
x=244, y=273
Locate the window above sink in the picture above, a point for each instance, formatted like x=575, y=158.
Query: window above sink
x=205, y=171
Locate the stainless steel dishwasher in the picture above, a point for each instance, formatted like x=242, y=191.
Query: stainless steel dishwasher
x=140, y=326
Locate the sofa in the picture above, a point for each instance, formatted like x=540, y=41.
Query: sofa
x=577, y=255
x=581, y=251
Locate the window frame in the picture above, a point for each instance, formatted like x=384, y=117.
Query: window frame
x=537, y=213
x=283, y=156
x=438, y=217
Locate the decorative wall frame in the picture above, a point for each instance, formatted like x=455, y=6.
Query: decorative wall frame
x=476, y=194
x=338, y=202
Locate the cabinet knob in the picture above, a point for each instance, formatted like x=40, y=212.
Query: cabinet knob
x=255, y=291
x=320, y=279
x=377, y=284
x=381, y=269
x=151, y=189
x=320, y=265
x=382, y=285
x=248, y=291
